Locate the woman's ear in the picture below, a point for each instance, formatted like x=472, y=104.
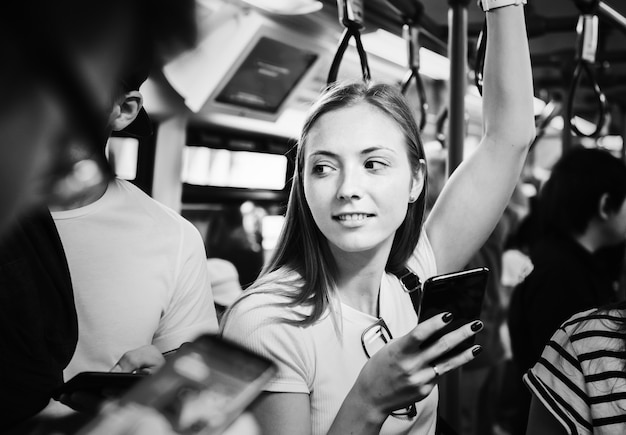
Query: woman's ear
x=417, y=181
x=604, y=211
x=126, y=110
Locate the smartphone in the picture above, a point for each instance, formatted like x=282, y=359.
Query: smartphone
x=104, y=384
x=203, y=388
x=460, y=293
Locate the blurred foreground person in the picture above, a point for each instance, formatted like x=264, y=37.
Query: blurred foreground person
x=61, y=62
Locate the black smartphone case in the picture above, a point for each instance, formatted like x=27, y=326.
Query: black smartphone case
x=98, y=382
x=460, y=293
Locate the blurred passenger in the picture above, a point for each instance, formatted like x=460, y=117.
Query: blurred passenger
x=224, y=284
x=330, y=300
x=61, y=62
x=228, y=239
x=579, y=385
x=580, y=211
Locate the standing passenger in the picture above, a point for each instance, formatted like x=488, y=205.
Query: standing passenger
x=141, y=284
x=581, y=210
x=354, y=219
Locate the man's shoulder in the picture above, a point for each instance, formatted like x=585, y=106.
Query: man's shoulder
x=136, y=199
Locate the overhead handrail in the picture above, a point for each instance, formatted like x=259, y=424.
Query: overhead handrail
x=587, y=30
x=351, y=17
x=611, y=14
x=411, y=12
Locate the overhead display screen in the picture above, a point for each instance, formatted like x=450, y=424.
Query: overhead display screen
x=267, y=76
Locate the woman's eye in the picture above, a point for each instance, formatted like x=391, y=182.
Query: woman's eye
x=321, y=169
x=375, y=164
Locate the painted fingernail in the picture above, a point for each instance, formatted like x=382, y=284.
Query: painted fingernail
x=477, y=350
x=447, y=318
x=477, y=326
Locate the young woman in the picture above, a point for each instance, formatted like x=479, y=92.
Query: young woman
x=328, y=301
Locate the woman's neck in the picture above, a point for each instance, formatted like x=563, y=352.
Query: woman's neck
x=358, y=280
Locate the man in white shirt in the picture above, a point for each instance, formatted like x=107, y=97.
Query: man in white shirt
x=141, y=285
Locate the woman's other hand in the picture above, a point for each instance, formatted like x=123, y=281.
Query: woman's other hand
x=404, y=372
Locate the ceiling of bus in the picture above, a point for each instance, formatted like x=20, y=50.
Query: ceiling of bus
x=553, y=43
x=552, y=31
x=551, y=27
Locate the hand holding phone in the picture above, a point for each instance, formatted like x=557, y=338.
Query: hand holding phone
x=459, y=293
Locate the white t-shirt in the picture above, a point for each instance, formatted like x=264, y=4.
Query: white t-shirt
x=139, y=275
x=315, y=361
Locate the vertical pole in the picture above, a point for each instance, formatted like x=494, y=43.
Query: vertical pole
x=566, y=133
x=457, y=53
x=167, y=185
x=449, y=406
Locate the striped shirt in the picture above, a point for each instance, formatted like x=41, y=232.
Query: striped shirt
x=581, y=378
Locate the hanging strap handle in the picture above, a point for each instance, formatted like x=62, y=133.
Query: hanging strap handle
x=410, y=31
x=351, y=17
x=587, y=29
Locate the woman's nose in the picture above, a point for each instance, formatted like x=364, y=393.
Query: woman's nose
x=350, y=186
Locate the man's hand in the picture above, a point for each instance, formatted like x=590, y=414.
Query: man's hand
x=146, y=359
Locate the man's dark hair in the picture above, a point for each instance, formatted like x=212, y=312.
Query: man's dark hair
x=571, y=197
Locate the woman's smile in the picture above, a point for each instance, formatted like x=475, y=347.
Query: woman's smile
x=353, y=220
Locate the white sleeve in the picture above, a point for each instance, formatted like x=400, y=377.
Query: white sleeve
x=254, y=323
x=190, y=311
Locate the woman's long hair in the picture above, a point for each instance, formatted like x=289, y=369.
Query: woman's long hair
x=302, y=259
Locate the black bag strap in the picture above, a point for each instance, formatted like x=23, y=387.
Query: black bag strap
x=412, y=285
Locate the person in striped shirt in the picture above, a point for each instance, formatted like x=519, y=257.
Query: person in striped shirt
x=578, y=385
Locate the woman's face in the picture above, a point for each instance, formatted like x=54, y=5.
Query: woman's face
x=357, y=178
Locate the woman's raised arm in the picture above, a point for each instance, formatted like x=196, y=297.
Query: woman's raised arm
x=477, y=193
